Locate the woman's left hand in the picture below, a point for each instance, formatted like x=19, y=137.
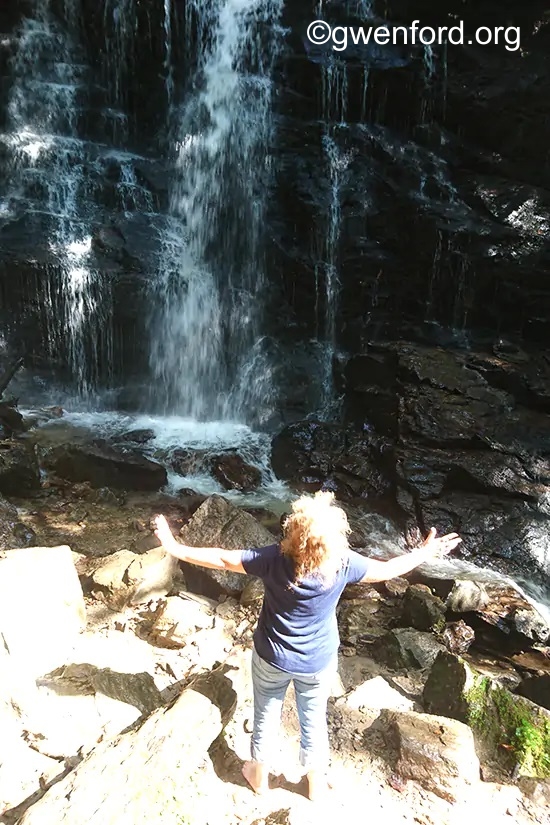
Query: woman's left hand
x=441, y=545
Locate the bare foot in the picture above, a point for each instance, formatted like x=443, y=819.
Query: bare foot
x=257, y=776
x=318, y=785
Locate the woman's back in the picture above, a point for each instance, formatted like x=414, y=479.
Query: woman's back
x=297, y=630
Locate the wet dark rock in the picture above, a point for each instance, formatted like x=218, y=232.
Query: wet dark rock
x=457, y=637
x=313, y=456
x=422, y=609
x=507, y=534
x=396, y=587
x=404, y=648
x=105, y=466
x=23, y=535
x=112, y=498
x=19, y=472
x=137, y=436
x=188, y=462
x=234, y=473
x=537, y=689
x=11, y=420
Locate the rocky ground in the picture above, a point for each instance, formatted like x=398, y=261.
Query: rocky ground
x=101, y=735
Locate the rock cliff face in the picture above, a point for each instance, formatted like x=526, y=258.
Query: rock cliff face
x=408, y=196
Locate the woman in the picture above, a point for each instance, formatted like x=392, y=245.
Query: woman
x=297, y=635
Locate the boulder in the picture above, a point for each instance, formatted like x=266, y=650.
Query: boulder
x=458, y=636
x=253, y=592
x=362, y=620
x=11, y=420
x=467, y=596
x=234, y=473
x=142, y=775
x=19, y=471
x=218, y=523
x=108, y=681
x=422, y=609
x=436, y=752
x=536, y=789
x=314, y=455
x=104, y=465
x=176, y=619
x=497, y=716
x=137, y=436
x=537, y=689
x=498, y=613
x=187, y=462
x=8, y=521
x=404, y=648
x=136, y=689
x=42, y=607
x=133, y=578
x=375, y=695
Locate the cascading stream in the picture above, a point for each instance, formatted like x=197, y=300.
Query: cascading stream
x=47, y=181
x=207, y=352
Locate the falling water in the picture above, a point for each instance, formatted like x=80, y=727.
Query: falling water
x=46, y=178
x=119, y=17
x=207, y=355
x=334, y=101
x=168, y=67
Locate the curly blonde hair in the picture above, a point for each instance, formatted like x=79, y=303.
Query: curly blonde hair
x=315, y=536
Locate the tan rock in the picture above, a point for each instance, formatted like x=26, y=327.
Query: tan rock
x=177, y=619
x=375, y=695
x=42, y=607
x=139, y=776
x=436, y=752
x=131, y=578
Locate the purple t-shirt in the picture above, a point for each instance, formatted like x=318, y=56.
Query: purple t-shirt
x=297, y=630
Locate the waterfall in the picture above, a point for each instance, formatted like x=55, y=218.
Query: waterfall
x=334, y=99
x=207, y=354
x=46, y=180
x=68, y=178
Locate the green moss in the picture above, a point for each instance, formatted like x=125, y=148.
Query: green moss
x=479, y=717
x=510, y=724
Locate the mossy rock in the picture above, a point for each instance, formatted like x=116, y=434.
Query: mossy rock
x=507, y=726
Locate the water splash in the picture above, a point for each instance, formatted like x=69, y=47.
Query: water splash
x=206, y=350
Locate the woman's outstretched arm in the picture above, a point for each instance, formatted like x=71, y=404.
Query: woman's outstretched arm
x=429, y=550
x=214, y=557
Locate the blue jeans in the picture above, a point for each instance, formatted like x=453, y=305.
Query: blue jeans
x=312, y=693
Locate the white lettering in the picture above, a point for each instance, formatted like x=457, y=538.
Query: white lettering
x=402, y=30
x=431, y=33
x=342, y=44
x=513, y=45
x=382, y=32
x=460, y=30
x=489, y=38
x=362, y=35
